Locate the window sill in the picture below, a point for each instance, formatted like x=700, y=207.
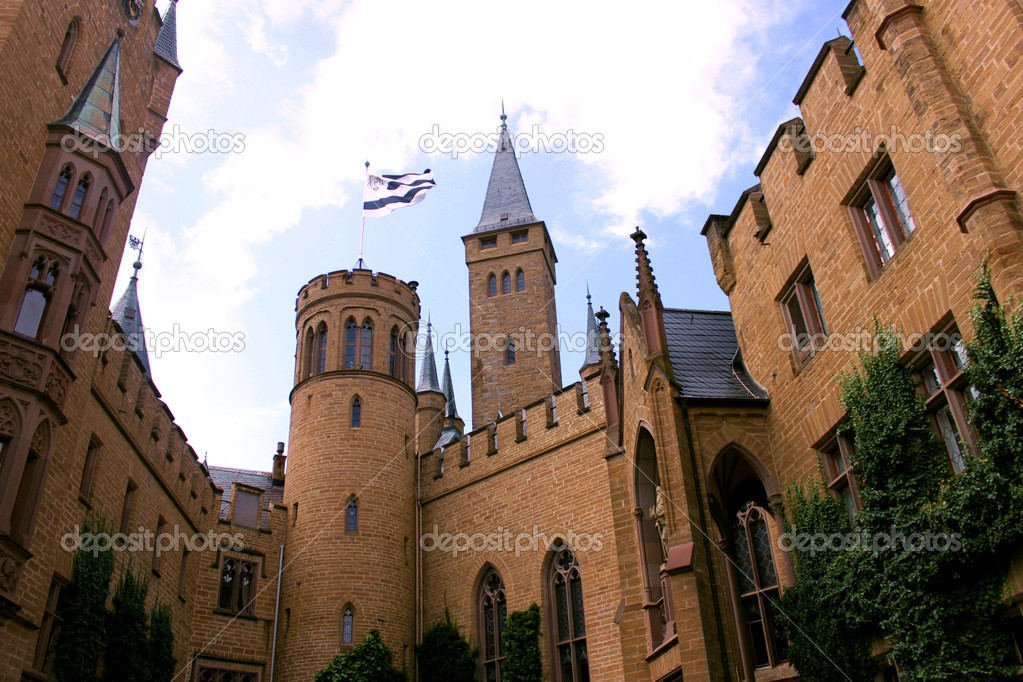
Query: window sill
x=662, y=648
x=234, y=615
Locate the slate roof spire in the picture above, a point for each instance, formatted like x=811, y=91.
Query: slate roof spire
x=167, y=40
x=450, y=411
x=592, y=334
x=96, y=112
x=127, y=314
x=428, y=373
x=506, y=203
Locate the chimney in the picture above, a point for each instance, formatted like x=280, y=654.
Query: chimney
x=279, y=459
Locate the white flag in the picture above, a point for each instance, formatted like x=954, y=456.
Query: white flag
x=384, y=193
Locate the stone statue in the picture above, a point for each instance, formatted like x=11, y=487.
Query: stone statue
x=659, y=513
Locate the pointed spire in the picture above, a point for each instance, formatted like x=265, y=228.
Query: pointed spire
x=167, y=40
x=592, y=333
x=448, y=390
x=606, y=347
x=126, y=313
x=645, y=272
x=96, y=111
x=506, y=203
x=428, y=373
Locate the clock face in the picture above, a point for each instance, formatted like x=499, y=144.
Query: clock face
x=133, y=10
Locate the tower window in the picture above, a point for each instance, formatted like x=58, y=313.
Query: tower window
x=488, y=243
x=352, y=516
x=492, y=286
x=506, y=283
x=79, y=199
x=307, y=369
x=366, y=345
x=67, y=48
x=321, y=335
x=351, y=333
x=509, y=353
x=348, y=626
x=356, y=413
x=63, y=180
x=392, y=366
x=520, y=281
x=519, y=237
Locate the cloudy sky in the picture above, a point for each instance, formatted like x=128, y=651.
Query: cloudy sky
x=682, y=96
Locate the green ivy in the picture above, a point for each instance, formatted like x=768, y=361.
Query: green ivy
x=521, y=639
x=445, y=655
x=83, y=612
x=368, y=662
x=161, y=645
x=127, y=654
x=940, y=612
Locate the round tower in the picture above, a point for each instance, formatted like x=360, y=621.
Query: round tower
x=350, y=486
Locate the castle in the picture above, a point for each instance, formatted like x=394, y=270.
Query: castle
x=639, y=505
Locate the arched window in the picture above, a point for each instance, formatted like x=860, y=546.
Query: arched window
x=758, y=584
x=348, y=625
x=356, y=413
x=392, y=356
x=307, y=359
x=351, y=334
x=647, y=484
x=520, y=281
x=509, y=352
x=63, y=180
x=67, y=48
x=79, y=199
x=108, y=220
x=97, y=218
x=506, y=283
x=30, y=489
x=408, y=367
x=41, y=280
x=321, y=347
x=492, y=286
x=366, y=345
x=352, y=516
x=565, y=589
x=491, y=613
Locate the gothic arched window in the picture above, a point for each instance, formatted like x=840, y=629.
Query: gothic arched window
x=63, y=180
x=307, y=367
x=97, y=218
x=67, y=48
x=348, y=625
x=356, y=413
x=321, y=347
x=351, y=334
x=565, y=589
x=509, y=352
x=506, y=283
x=758, y=583
x=491, y=613
x=392, y=363
x=646, y=482
x=352, y=516
x=42, y=279
x=366, y=345
x=79, y=199
x=492, y=286
x=520, y=281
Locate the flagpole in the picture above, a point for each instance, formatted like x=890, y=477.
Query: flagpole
x=362, y=231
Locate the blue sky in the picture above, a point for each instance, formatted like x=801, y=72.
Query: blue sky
x=684, y=100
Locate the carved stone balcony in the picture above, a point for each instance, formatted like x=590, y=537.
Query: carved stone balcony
x=35, y=369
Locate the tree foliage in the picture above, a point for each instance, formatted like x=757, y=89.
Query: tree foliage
x=445, y=654
x=161, y=645
x=521, y=638
x=368, y=662
x=127, y=654
x=83, y=612
x=939, y=606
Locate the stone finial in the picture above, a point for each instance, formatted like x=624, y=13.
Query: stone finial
x=644, y=271
x=607, y=351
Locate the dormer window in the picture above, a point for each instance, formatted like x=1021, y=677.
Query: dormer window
x=488, y=243
x=246, y=508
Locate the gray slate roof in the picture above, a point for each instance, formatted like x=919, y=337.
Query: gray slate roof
x=225, y=478
x=704, y=356
x=167, y=40
x=592, y=335
x=506, y=194
x=449, y=390
x=428, y=372
x=127, y=314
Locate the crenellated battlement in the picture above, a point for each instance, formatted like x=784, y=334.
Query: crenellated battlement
x=358, y=281
x=556, y=421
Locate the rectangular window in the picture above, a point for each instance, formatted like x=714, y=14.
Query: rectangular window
x=837, y=457
x=804, y=315
x=939, y=371
x=881, y=216
x=246, y=508
x=161, y=526
x=49, y=629
x=129, y=500
x=519, y=237
x=237, y=591
x=214, y=672
x=488, y=243
x=183, y=574
x=89, y=471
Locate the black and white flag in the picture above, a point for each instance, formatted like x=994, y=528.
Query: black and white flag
x=384, y=193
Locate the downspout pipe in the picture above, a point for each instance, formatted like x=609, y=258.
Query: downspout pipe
x=277, y=610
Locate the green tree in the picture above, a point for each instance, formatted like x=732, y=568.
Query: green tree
x=445, y=654
x=127, y=651
x=83, y=611
x=368, y=662
x=522, y=647
x=161, y=645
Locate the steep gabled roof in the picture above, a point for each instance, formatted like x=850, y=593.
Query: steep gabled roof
x=428, y=372
x=705, y=356
x=225, y=478
x=127, y=314
x=167, y=40
x=506, y=193
x=96, y=111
